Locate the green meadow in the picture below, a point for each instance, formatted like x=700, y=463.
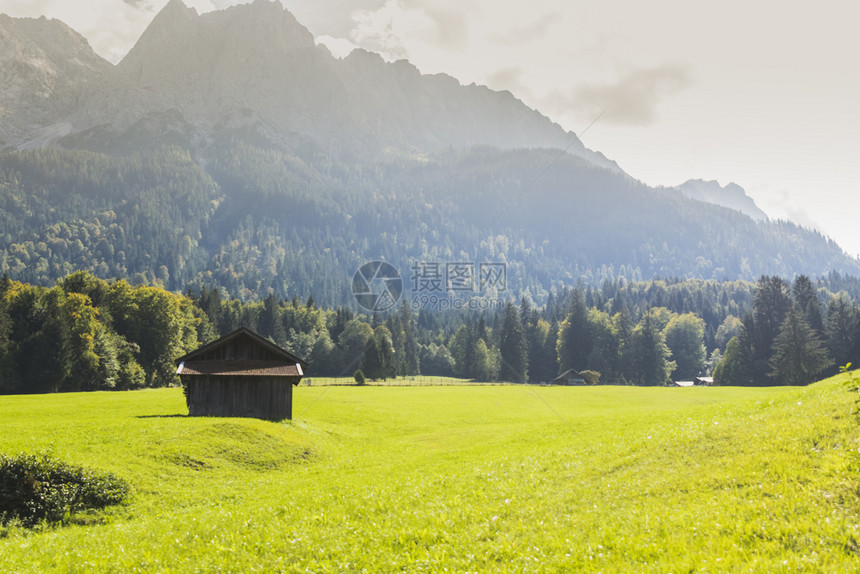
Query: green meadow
x=456, y=479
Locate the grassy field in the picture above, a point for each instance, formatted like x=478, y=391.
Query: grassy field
x=457, y=479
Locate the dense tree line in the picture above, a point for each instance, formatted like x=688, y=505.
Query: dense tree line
x=792, y=335
x=86, y=333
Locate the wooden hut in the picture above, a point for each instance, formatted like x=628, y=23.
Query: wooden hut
x=240, y=375
x=569, y=377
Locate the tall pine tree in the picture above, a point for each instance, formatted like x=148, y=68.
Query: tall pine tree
x=806, y=300
x=799, y=355
x=771, y=304
x=512, y=347
x=574, y=338
x=842, y=330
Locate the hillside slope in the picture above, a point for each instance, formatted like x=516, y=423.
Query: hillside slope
x=261, y=220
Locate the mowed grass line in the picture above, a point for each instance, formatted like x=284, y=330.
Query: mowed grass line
x=463, y=478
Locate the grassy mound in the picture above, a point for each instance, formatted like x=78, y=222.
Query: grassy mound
x=245, y=444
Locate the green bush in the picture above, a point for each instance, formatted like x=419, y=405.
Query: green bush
x=39, y=489
x=359, y=377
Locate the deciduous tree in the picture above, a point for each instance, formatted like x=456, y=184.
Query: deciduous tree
x=685, y=337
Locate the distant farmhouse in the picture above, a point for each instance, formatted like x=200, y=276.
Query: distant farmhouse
x=241, y=375
x=696, y=382
x=569, y=377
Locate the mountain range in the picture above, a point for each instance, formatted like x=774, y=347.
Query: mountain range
x=282, y=167
x=252, y=68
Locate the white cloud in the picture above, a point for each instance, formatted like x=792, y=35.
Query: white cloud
x=528, y=33
x=778, y=202
x=634, y=98
x=339, y=47
x=386, y=29
x=330, y=17
x=510, y=78
x=412, y=28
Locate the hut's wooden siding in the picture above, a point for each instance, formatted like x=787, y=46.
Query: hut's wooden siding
x=269, y=398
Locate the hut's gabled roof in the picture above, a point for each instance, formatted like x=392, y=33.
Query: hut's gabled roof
x=241, y=368
x=199, y=356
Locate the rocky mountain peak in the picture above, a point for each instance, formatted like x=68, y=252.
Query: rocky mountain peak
x=44, y=67
x=179, y=42
x=263, y=25
x=732, y=196
x=175, y=9
x=159, y=41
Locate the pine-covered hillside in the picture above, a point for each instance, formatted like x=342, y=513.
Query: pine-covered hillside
x=260, y=220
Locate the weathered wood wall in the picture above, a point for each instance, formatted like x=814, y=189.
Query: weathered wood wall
x=269, y=398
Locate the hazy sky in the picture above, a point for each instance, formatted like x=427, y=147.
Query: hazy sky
x=765, y=94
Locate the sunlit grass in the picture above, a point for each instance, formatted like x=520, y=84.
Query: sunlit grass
x=408, y=381
x=468, y=478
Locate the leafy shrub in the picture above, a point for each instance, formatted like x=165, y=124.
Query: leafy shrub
x=359, y=377
x=39, y=489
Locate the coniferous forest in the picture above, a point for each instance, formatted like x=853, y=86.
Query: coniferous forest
x=87, y=333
